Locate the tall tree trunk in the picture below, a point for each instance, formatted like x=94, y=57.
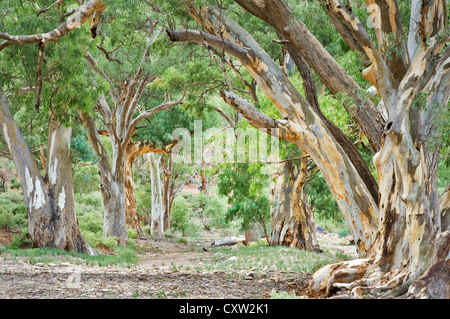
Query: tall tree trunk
x=114, y=221
x=132, y=218
x=157, y=227
x=50, y=204
x=292, y=219
x=170, y=188
x=167, y=189
x=205, y=186
x=114, y=208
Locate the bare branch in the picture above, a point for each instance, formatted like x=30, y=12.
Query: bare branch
x=225, y=116
x=57, y=2
x=39, y=78
x=24, y=90
x=149, y=113
x=108, y=53
x=255, y=117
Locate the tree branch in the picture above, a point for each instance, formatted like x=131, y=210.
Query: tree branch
x=255, y=117
x=39, y=78
x=225, y=116
x=280, y=16
x=84, y=12
x=149, y=113
x=108, y=53
x=93, y=64
x=390, y=35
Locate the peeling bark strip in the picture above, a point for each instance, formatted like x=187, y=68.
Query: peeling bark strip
x=390, y=36
x=50, y=205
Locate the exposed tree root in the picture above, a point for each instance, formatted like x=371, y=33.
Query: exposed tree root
x=362, y=278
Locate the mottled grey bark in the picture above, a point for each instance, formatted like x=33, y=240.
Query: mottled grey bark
x=50, y=200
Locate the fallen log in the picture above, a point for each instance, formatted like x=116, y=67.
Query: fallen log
x=229, y=241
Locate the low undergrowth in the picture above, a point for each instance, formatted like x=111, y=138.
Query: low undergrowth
x=260, y=259
x=124, y=256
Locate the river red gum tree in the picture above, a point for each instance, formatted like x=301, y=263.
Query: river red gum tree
x=121, y=115
x=49, y=199
x=397, y=222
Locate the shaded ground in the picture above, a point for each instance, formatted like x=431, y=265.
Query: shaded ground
x=166, y=269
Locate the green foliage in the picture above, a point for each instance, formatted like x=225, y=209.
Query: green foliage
x=181, y=213
x=283, y=295
x=85, y=179
x=143, y=198
x=246, y=188
x=321, y=199
x=93, y=199
x=213, y=208
x=81, y=149
x=89, y=211
x=13, y=212
x=21, y=241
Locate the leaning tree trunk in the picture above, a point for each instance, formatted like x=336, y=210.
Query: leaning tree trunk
x=157, y=227
x=50, y=204
x=352, y=185
x=292, y=218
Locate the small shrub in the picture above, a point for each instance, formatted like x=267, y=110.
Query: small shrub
x=147, y=229
x=98, y=240
x=344, y=232
x=193, y=228
x=216, y=209
x=92, y=222
x=180, y=215
x=21, y=240
x=283, y=295
x=181, y=240
x=5, y=219
x=8, y=220
x=13, y=196
x=93, y=199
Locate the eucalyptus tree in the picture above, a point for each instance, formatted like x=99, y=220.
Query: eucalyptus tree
x=128, y=65
x=396, y=220
x=36, y=69
x=143, y=73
